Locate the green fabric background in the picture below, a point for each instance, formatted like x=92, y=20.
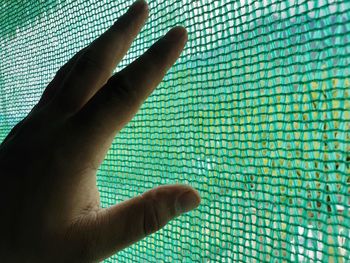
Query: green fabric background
x=255, y=115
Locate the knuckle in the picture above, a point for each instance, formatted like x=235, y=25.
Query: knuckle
x=119, y=27
x=151, y=220
x=124, y=90
x=85, y=63
x=64, y=70
x=89, y=62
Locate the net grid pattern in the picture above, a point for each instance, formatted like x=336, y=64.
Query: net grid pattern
x=255, y=115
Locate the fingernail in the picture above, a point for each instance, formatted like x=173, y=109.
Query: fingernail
x=137, y=6
x=186, y=202
x=175, y=33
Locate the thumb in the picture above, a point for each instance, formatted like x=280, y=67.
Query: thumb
x=123, y=224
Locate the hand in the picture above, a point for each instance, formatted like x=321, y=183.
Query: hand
x=51, y=207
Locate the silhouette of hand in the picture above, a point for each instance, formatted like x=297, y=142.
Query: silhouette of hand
x=51, y=208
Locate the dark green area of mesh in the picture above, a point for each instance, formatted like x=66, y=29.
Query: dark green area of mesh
x=255, y=115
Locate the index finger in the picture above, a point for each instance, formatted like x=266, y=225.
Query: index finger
x=117, y=102
x=96, y=64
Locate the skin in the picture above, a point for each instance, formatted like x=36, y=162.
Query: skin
x=50, y=211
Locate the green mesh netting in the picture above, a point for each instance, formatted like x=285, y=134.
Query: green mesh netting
x=255, y=115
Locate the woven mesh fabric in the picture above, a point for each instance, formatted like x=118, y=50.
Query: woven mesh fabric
x=255, y=115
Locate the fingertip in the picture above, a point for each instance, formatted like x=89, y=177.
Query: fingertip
x=138, y=11
x=134, y=18
x=196, y=192
x=139, y=6
x=187, y=201
x=177, y=33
